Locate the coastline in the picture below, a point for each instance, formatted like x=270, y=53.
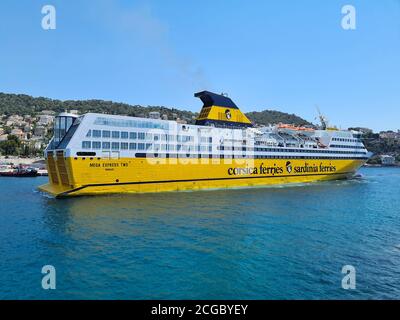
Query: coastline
x=21, y=161
x=396, y=165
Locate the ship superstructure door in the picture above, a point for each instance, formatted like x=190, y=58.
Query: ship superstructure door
x=115, y=155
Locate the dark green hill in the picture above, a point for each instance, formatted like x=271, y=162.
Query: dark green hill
x=22, y=104
x=273, y=117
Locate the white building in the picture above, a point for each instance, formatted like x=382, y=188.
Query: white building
x=154, y=115
x=19, y=133
x=387, y=160
x=45, y=120
x=48, y=112
x=40, y=131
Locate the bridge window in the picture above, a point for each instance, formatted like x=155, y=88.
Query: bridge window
x=133, y=135
x=106, y=145
x=115, y=135
x=124, y=145
x=124, y=135
x=115, y=145
x=96, y=145
x=86, y=144
x=106, y=134
x=96, y=133
x=132, y=146
x=130, y=123
x=141, y=135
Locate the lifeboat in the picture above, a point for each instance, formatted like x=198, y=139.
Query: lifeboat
x=295, y=129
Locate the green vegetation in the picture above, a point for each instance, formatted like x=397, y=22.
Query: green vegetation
x=379, y=146
x=375, y=159
x=273, y=117
x=21, y=104
x=11, y=146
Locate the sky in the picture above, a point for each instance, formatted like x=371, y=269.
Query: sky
x=286, y=55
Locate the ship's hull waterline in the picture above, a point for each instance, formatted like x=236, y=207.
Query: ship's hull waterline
x=93, y=176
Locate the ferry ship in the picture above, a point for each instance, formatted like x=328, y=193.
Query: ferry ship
x=102, y=154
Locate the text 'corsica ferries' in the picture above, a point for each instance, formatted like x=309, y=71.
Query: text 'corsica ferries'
x=99, y=153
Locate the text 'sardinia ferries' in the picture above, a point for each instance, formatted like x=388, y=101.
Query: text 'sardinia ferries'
x=99, y=153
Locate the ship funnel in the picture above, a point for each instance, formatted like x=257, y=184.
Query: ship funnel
x=220, y=111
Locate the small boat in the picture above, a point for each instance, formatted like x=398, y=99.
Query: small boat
x=42, y=172
x=293, y=130
x=19, y=171
x=6, y=168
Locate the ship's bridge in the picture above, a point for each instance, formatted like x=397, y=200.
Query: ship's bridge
x=220, y=111
x=62, y=125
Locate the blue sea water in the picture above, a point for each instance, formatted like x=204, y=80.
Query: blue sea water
x=263, y=243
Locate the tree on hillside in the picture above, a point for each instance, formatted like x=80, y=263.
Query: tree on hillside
x=274, y=117
x=11, y=146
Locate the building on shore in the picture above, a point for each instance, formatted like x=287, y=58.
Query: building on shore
x=387, y=160
x=48, y=112
x=154, y=115
x=18, y=133
x=40, y=131
x=45, y=120
x=389, y=134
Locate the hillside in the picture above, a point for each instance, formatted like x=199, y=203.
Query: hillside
x=25, y=105
x=272, y=117
x=21, y=104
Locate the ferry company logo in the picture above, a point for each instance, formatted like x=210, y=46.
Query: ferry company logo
x=228, y=114
x=275, y=169
x=261, y=170
x=289, y=167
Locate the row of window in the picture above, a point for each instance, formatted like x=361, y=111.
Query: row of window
x=105, y=145
x=346, y=147
x=96, y=145
x=143, y=136
x=346, y=140
x=311, y=150
x=131, y=123
x=211, y=156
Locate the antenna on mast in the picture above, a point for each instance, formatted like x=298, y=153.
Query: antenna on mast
x=322, y=119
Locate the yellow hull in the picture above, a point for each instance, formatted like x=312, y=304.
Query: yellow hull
x=91, y=176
